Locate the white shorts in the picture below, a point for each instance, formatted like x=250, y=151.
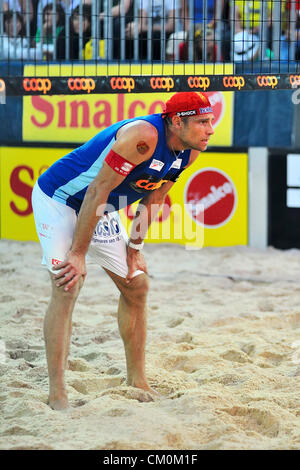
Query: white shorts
x=55, y=225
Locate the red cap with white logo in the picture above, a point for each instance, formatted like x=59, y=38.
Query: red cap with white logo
x=187, y=103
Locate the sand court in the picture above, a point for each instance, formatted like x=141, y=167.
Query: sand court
x=223, y=351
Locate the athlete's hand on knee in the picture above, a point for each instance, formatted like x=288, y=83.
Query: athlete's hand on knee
x=70, y=271
x=135, y=261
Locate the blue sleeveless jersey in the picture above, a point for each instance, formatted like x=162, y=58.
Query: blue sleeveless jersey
x=67, y=180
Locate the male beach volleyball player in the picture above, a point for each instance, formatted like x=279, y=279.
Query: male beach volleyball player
x=75, y=204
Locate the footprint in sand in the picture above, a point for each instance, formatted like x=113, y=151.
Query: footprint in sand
x=265, y=305
x=28, y=407
x=185, y=338
x=116, y=412
x=224, y=379
x=16, y=344
x=175, y=322
x=78, y=364
x=6, y=298
x=236, y=356
x=274, y=358
x=40, y=446
x=133, y=393
x=189, y=361
x=19, y=384
x=27, y=354
x=7, y=271
x=113, y=371
x=4, y=369
x=88, y=385
x=254, y=419
x=79, y=403
x=249, y=349
x=18, y=431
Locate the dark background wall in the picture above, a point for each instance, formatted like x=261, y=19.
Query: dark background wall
x=263, y=118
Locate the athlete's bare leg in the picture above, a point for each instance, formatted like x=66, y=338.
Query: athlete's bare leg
x=57, y=329
x=68, y=343
x=132, y=326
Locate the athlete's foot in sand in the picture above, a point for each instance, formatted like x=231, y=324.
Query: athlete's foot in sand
x=58, y=402
x=149, y=394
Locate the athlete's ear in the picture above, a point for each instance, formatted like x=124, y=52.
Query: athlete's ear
x=176, y=121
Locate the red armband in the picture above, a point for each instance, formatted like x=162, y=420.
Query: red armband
x=118, y=163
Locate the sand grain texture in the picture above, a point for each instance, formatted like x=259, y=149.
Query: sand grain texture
x=223, y=351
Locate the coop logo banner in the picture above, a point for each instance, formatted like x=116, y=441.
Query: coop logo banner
x=37, y=84
x=122, y=83
x=81, y=84
x=295, y=81
x=162, y=83
x=266, y=81
x=234, y=82
x=198, y=82
x=78, y=116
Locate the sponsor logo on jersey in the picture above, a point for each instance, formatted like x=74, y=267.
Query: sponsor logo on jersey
x=107, y=227
x=176, y=164
x=147, y=183
x=55, y=261
x=156, y=165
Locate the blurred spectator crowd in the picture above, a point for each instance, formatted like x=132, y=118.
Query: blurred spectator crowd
x=150, y=30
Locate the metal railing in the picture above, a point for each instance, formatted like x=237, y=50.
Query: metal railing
x=276, y=27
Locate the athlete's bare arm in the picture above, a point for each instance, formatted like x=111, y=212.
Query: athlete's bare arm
x=136, y=143
x=152, y=203
x=146, y=212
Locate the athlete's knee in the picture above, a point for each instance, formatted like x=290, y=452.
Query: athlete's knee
x=136, y=291
x=71, y=293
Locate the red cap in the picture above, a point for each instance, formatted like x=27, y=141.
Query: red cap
x=187, y=103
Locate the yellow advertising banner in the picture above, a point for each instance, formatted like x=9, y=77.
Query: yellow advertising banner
x=77, y=118
x=207, y=206
x=20, y=167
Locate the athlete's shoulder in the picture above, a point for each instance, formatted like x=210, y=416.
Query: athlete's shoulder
x=137, y=129
x=136, y=140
